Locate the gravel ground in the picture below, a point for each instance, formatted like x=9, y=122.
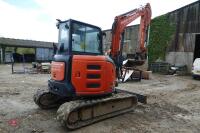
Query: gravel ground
x=173, y=106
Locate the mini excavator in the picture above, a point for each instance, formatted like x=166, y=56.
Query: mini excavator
x=83, y=80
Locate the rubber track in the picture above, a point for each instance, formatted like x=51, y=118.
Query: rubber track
x=68, y=107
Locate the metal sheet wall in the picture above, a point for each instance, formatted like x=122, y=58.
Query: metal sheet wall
x=8, y=57
x=44, y=54
x=130, y=40
x=187, y=21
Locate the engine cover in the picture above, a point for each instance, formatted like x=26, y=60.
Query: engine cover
x=92, y=75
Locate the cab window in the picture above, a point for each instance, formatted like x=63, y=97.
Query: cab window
x=85, y=39
x=63, y=39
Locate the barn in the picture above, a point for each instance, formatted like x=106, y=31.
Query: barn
x=184, y=46
x=35, y=50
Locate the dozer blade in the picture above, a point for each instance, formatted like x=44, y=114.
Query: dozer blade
x=79, y=113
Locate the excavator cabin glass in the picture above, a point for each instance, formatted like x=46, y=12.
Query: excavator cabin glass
x=63, y=39
x=79, y=38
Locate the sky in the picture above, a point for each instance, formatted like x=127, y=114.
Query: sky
x=36, y=19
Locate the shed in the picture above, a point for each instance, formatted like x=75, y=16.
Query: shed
x=185, y=45
x=43, y=50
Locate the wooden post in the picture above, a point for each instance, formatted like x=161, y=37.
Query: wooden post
x=2, y=49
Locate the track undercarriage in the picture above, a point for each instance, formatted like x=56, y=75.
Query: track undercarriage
x=81, y=112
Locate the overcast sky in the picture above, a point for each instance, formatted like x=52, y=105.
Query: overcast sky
x=36, y=19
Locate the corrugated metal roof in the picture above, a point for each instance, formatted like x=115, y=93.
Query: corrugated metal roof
x=191, y=4
x=25, y=43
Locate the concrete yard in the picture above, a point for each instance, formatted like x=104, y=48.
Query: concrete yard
x=173, y=106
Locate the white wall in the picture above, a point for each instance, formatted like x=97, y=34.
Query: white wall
x=180, y=58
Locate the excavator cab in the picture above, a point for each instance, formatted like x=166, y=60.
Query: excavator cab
x=79, y=67
x=77, y=38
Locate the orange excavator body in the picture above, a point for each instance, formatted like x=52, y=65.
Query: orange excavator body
x=73, y=64
x=90, y=75
x=83, y=79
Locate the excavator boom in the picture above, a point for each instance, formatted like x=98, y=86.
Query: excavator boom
x=120, y=24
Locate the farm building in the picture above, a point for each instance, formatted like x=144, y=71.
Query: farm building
x=130, y=40
x=185, y=44
x=29, y=49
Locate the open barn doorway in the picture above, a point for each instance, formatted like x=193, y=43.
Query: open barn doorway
x=197, y=47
